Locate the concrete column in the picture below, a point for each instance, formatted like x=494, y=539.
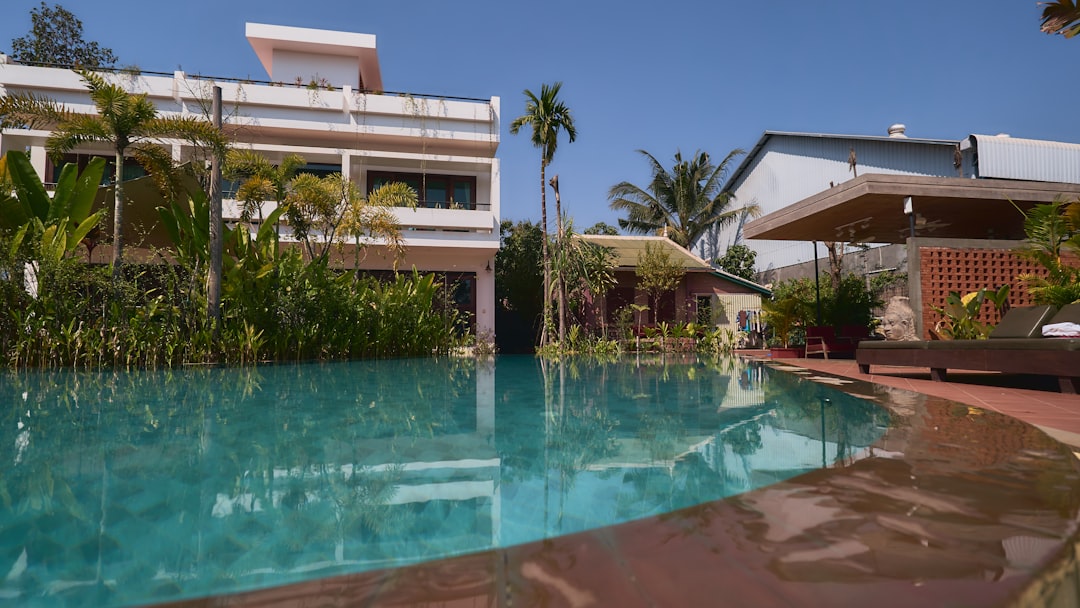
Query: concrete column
x=346, y=165
x=485, y=300
x=39, y=158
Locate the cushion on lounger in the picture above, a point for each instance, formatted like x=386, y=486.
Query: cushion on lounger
x=1023, y=322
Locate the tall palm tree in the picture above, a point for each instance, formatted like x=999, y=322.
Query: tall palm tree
x=548, y=116
x=682, y=203
x=1061, y=17
x=128, y=122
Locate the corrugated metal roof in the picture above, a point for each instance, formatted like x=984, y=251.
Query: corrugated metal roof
x=765, y=136
x=1004, y=157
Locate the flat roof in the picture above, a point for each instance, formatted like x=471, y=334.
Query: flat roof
x=870, y=209
x=265, y=39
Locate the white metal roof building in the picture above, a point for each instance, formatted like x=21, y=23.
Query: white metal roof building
x=785, y=168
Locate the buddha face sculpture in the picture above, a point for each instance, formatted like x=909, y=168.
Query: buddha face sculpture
x=898, y=322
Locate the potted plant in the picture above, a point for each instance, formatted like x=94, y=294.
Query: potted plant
x=783, y=316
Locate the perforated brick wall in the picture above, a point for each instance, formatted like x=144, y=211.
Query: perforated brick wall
x=945, y=270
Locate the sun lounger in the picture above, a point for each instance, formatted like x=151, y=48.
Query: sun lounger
x=1015, y=346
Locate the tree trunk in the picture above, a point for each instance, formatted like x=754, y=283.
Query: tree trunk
x=118, y=216
x=560, y=281
x=545, y=255
x=213, y=276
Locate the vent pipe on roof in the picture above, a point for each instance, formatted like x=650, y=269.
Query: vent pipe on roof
x=897, y=130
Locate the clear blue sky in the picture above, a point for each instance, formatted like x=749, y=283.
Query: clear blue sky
x=660, y=76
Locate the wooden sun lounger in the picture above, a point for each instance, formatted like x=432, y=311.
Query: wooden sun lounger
x=1013, y=347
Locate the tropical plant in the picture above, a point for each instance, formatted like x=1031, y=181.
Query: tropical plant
x=602, y=228
x=1053, y=231
x=519, y=279
x=682, y=203
x=60, y=222
x=657, y=274
x=547, y=116
x=130, y=123
x=783, y=315
x=586, y=269
x=56, y=37
x=370, y=219
x=259, y=179
x=960, y=315
x=1061, y=17
x=739, y=261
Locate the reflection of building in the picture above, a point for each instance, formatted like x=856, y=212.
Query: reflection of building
x=706, y=295
x=325, y=101
x=437, y=492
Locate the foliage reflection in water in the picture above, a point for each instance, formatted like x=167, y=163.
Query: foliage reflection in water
x=124, y=488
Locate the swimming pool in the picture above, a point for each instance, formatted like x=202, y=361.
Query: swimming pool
x=128, y=488
x=331, y=479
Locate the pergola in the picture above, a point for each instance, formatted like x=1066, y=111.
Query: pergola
x=959, y=232
x=871, y=209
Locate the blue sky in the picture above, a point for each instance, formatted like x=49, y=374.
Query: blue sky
x=676, y=75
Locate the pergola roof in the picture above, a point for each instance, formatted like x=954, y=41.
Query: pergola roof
x=870, y=209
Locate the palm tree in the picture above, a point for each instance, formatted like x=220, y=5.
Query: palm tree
x=682, y=203
x=259, y=179
x=547, y=115
x=128, y=122
x=1061, y=17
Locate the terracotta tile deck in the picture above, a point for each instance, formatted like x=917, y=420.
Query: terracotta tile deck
x=1033, y=399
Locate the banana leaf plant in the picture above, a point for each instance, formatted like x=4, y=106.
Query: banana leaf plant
x=59, y=223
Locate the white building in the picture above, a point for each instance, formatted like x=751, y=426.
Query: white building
x=325, y=100
x=784, y=168
x=785, y=172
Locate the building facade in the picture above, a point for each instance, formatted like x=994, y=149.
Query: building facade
x=324, y=100
x=706, y=295
x=783, y=168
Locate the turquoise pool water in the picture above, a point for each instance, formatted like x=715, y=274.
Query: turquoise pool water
x=130, y=488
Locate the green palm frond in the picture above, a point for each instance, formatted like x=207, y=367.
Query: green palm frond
x=25, y=110
x=547, y=116
x=685, y=201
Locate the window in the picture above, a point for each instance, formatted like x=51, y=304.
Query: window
x=132, y=169
x=433, y=191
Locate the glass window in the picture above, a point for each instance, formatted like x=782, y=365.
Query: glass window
x=319, y=169
x=463, y=194
x=432, y=190
x=437, y=192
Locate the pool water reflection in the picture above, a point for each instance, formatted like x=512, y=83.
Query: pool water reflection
x=128, y=488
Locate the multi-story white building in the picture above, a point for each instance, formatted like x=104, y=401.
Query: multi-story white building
x=325, y=100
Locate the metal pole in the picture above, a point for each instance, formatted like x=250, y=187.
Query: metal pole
x=817, y=285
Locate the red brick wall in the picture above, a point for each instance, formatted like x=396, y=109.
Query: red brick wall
x=944, y=270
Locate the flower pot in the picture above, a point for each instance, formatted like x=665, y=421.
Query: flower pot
x=787, y=352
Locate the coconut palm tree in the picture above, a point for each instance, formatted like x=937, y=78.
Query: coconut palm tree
x=548, y=116
x=128, y=122
x=682, y=203
x=1061, y=17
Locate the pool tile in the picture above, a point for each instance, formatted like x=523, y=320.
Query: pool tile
x=578, y=570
